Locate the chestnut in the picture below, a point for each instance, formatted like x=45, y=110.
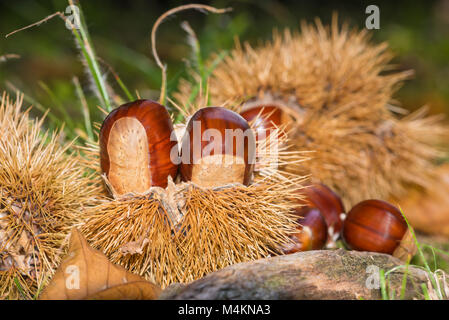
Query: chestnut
x=135, y=147
x=311, y=231
x=330, y=205
x=264, y=118
x=218, y=148
x=377, y=226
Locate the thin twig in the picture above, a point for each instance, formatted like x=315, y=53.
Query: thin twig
x=36, y=24
x=9, y=56
x=153, y=37
x=82, y=39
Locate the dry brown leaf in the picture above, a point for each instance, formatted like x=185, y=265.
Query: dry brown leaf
x=87, y=273
x=139, y=290
x=428, y=211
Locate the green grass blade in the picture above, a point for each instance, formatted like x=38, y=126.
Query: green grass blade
x=420, y=252
x=13, y=89
x=83, y=40
x=425, y=292
x=194, y=43
x=117, y=78
x=404, y=282
x=67, y=118
x=383, y=286
x=84, y=109
x=19, y=287
x=438, y=250
x=196, y=88
x=128, y=94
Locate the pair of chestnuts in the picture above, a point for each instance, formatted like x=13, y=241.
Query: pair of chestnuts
x=371, y=225
x=139, y=148
x=320, y=221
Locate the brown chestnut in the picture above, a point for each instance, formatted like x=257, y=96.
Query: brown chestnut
x=264, y=118
x=377, y=226
x=135, y=147
x=312, y=231
x=330, y=205
x=218, y=148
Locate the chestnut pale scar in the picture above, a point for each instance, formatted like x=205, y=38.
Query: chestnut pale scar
x=128, y=155
x=218, y=170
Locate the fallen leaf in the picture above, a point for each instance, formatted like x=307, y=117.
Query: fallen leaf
x=139, y=290
x=87, y=273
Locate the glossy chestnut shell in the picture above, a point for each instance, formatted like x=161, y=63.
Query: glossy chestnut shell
x=377, y=226
x=135, y=147
x=218, y=148
x=264, y=118
x=329, y=203
x=311, y=231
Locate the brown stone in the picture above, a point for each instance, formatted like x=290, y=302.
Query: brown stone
x=322, y=274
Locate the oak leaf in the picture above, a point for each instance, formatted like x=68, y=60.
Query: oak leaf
x=87, y=273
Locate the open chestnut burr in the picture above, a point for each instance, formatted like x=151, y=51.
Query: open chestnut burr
x=135, y=147
x=218, y=148
x=377, y=226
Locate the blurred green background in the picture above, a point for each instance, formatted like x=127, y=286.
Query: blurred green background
x=418, y=33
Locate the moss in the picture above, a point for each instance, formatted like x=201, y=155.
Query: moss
x=351, y=266
x=277, y=282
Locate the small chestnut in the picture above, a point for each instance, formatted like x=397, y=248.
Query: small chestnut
x=218, y=148
x=330, y=205
x=377, y=226
x=135, y=147
x=311, y=231
x=264, y=118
